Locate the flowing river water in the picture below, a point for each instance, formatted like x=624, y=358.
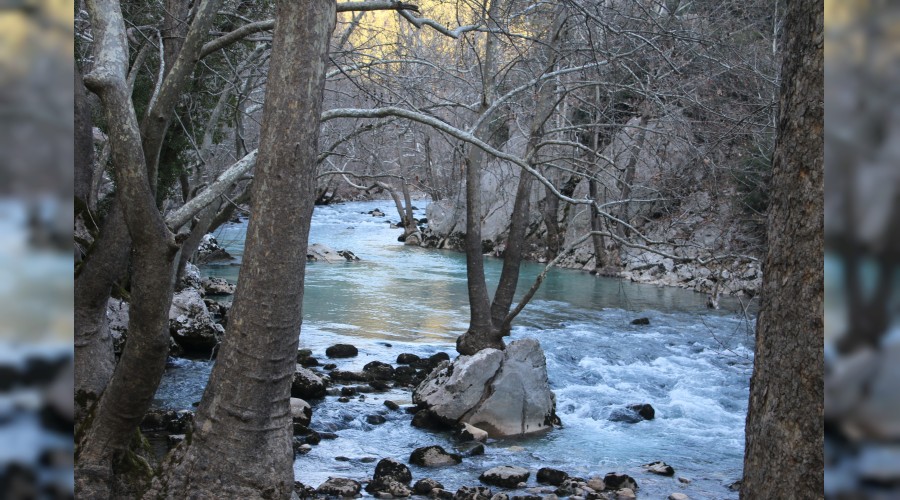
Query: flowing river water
x=692, y=364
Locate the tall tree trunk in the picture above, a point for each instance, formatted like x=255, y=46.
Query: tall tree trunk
x=784, y=444
x=481, y=333
x=241, y=446
x=84, y=145
x=133, y=384
x=489, y=323
x=102, y=267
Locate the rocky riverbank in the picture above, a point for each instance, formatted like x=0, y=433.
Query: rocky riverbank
x=322, y=377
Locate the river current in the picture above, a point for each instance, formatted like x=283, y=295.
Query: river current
x=692, y=364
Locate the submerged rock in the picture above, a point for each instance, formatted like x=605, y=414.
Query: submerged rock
x=342, y=351
x=505, y=476
x=641, y=321
x=547, y=475
x=339, y=487
x=633, y=413
x=318, y=252
x=433, y=456
x=661, y=468
x=391, y=477
x=616, y=481
x=379, y=370
x=505, y=393
x=473, y=493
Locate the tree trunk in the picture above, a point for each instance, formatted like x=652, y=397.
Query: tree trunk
x=481, y=333
x=241, y=446
x=784, y=444
x=490, y=322
x=136, y=377
x=84, y=145
x=102, y=267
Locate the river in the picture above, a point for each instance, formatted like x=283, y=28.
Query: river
x=692, y=364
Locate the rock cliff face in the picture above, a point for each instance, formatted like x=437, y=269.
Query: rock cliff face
x=689, y=225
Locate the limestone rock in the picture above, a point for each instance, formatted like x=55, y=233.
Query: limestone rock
x=661, y=468
x=191, y=325
x=307, y=385
x=342, y=351
x=425, y=486
x=117, y=312
x=505, y=476
x=339, y=487
x=505, y=393
x=616, y=481
x=624, y=494
x=678, y=496
x=474, y=493
x=471, y=433
x=216, y=286
x=301, y=412
x=318, y=252
x=191, y=277
x=210, y=250
x=433, y=456
x=555, y=477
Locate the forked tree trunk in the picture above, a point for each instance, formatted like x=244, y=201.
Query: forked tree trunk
x=481, y=333
x=241, y=445
x=784, y=444
x=489, y=321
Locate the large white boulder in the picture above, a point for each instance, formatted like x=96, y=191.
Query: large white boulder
x=506, y=393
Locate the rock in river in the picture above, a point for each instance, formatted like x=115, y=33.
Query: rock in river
x=342, y=351
x=506, y=393
x=339, y=487
x=307, y=385
x=505, y=476
x=433, y=456
x=191, y=325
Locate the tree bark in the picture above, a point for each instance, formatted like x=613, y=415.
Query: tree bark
x=241, y=446
x=136, y=377
x=481, y=333
x=102, y=267
x=784, y=443
x=489, y=323
x=84, y=145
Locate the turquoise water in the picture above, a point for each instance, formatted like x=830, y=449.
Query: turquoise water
x=692, y=364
